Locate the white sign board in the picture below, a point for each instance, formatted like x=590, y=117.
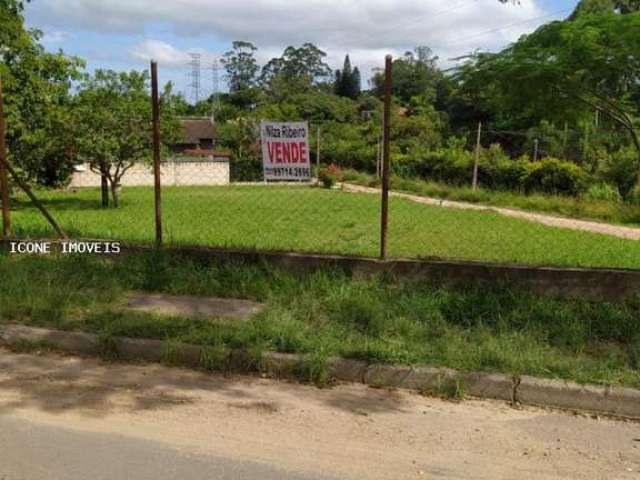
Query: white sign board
x=285, y=150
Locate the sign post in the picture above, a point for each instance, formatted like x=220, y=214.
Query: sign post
x=285, y=150
x=156, y=151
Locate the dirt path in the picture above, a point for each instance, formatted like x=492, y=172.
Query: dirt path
x=549, y=220
x=348, y=431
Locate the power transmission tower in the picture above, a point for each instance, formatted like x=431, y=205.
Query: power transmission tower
x=215, y=86
x=195, y=76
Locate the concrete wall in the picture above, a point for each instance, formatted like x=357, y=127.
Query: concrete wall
x=173, y=173
x=591, y=284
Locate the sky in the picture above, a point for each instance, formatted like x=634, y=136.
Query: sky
x=127, y=34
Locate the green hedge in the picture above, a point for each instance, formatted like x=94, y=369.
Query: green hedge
x=495, y=170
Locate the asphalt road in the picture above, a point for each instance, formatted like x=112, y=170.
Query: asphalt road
x=64, y=417
x=31, y=451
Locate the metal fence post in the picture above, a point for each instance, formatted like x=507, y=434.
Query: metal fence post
x=386, y=151
x=156, y=150
x=4, y=181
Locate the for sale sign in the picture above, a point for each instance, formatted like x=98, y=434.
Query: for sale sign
x=285, y=150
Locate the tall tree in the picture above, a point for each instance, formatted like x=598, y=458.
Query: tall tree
x=305, y=64
x=414, y=75
x=347, y=82
x=241, y=66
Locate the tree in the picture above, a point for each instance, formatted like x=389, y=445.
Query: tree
x=571, y=68
x=415, y=74
x=113, y=122
x=241, y=66
x=304, y=64
x=599, y=7
x=347, y=82
x=37, y=100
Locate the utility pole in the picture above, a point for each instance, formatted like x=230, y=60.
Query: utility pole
x=386, y=153
x=477, y=159
x=536, y=144
x=318, y=149
x=4, y=181
x=378, y=158
x=155, y=100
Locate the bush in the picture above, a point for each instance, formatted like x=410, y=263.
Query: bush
x=633, y=197
x=603, y=191
x=330, y=175
x=245, y=169
x=554, y=176
x=621, y=169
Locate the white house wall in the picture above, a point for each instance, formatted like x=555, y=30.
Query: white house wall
x=172, y=173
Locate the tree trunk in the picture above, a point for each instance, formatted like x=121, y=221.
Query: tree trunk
x=104, y=185
x=115, y=194
x=636, y=143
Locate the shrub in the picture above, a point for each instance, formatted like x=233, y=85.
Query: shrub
x=620, y=168
x=633, y=196
x=555, y=177
x=330, y=175
x=603, y=191
x=508, y=174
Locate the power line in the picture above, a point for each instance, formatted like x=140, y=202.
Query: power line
x=511, y=25
x=429, y=16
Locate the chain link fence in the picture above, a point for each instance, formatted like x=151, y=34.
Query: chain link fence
x=215, y=198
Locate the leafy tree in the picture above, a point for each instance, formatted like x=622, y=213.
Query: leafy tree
x=304, y=64
x=113, y=122
x=415, y=74
x=568, y=70
x=347, y=82
x=599, y=7
x=37, y=100
x=241, y=66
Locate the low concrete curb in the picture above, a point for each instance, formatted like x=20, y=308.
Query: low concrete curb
x=623, y=402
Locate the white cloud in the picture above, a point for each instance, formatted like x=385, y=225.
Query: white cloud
x=160, y=51
x=55, y=37
x=366, y=29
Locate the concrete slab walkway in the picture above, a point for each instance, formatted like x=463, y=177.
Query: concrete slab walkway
x=201, y=308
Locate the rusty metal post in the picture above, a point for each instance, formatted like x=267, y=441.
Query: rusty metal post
x=156, y=150
x=4, y=181
x=386, y=152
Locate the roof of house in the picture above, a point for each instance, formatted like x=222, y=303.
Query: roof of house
x=195, y=129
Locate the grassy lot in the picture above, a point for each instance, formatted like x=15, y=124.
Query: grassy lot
x=318, y=220
x=325, y=314
x=571, y=207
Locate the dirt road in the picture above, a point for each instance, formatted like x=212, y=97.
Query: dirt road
x=631, y=233
x=243, y=427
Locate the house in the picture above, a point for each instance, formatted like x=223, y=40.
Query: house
x=198, y=133
x=193, y=161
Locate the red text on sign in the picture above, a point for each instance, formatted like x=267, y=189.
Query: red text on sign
x=287, y=152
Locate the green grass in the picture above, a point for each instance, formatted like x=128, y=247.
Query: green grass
x=565, y=206
x=488, y=328
x=317, y=220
